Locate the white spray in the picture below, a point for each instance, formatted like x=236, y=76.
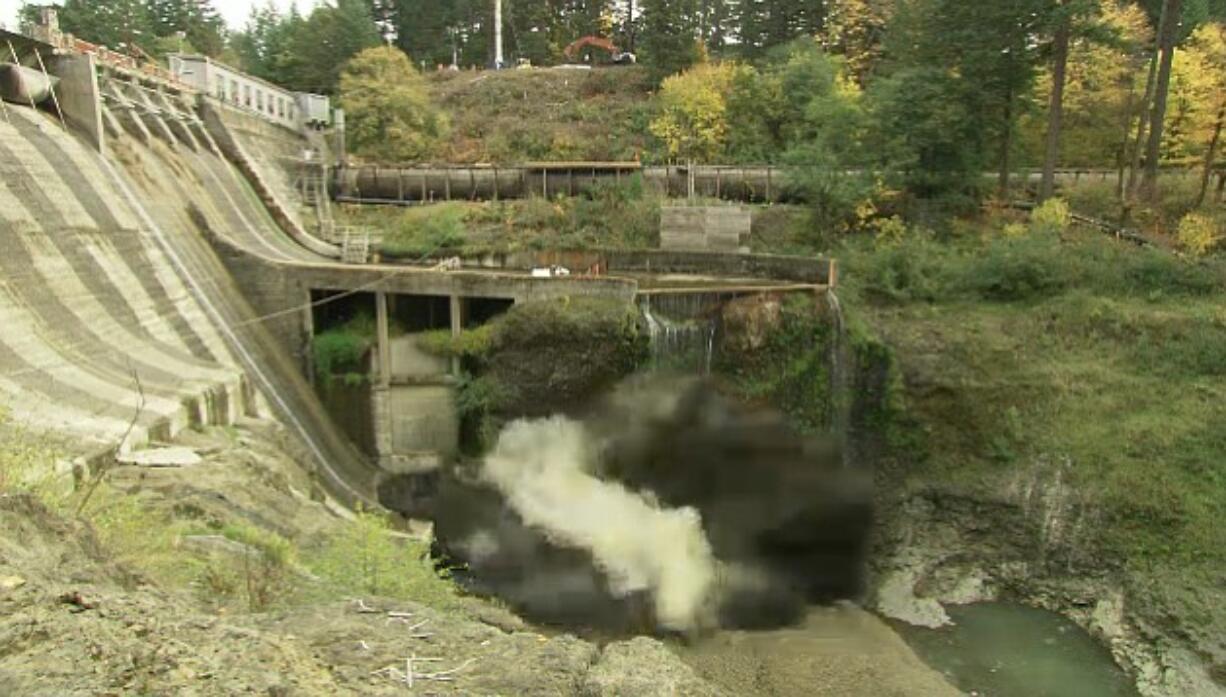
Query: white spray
x=544, y=469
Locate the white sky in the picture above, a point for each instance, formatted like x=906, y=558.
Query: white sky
x=235, y=11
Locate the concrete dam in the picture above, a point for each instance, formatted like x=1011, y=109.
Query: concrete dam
x=162, y=271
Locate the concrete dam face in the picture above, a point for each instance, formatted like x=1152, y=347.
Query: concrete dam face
x=121, y=324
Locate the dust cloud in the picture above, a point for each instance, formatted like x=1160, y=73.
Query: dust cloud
x=545, y=471
x=670, y=506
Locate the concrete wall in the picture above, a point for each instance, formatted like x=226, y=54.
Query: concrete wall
x=265, y=154
x=636, y=261
x=412, y=364
x=78, y=96
x=704, y=228
x=101, y=344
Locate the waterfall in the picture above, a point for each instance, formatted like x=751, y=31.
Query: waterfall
x=682, y=336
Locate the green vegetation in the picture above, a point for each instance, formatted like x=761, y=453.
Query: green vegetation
x=365, y=557
x=341, y=352
x=387, y=109
x=791, y=369
x=541, y=357
x=1081, y=353
x=531, y=115
x=623, y=214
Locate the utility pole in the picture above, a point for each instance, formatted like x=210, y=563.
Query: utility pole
x=497, y=34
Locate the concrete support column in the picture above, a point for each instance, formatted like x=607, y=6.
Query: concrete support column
x=381, y=421
x=383, y=340
x=457, y=326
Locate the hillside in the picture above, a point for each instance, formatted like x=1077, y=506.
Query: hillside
x=544, y=114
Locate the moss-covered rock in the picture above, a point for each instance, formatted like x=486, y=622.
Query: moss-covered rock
x=556, y=355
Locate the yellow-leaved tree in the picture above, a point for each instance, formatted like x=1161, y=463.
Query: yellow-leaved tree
x=388, y=111
x=693, y=121
x=1104, y=82
x=1198, y=89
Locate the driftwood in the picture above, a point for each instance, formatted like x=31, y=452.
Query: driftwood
x=411, y=674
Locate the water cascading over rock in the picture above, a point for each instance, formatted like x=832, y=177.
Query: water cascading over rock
x=682, y=332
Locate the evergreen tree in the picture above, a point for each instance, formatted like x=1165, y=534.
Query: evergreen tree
x=855, y=29
x=197, y=21
x=263, y=47
x=117, y=24
x=669, y=41
x=320, y=45
x=766, y=23
x=425, y=31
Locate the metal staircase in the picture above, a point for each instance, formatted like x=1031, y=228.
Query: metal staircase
x=312, y=184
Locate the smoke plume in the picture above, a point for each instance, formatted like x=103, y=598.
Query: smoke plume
x=670, y=506
x=545, y=471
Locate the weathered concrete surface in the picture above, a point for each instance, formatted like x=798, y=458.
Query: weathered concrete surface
x=97, y=331
x=704, y=228
x=79, y=96
x=265, y=153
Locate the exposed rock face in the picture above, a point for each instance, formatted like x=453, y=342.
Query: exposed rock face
x=644, y=667
x=1032, y=542
x=73, y=621
x=749, y=322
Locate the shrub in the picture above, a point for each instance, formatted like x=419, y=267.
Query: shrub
x=27, y=464
x=425, y=230
x=1017, y=269
x=890, y=231
x=365, y=556
x=266, y=571
x=1053, y=216
x=342, y=351
x=1199, y=234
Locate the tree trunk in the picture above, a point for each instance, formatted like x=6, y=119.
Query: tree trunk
x=1055, y=115
x=1121, y=157
x=1162, y=89
x=1143, y=117
x=1211, y=155
x=1006, y=146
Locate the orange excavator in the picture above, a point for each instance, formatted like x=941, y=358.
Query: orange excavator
x=617, y=56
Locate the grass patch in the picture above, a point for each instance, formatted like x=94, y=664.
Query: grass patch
x=1017, y=351
x=515, y=116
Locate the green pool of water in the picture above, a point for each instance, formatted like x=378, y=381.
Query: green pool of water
x=1006, y=650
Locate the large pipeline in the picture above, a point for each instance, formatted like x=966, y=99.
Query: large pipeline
x=425, y=184
x=750, y=184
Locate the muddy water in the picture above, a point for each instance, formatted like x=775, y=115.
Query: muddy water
x=1006, y=650
x=839, y=651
